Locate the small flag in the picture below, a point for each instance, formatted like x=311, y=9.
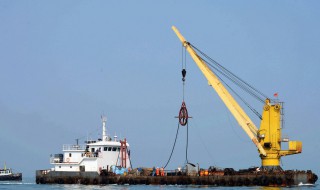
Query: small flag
x=275, y=95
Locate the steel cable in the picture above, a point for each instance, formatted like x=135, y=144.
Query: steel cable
x=229, y=72
x=174, y=144
x=235, y=79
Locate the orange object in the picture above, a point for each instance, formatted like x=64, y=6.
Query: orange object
x=157, y=172
x=162, y=171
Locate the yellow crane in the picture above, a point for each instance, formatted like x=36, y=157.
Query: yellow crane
x=268, y=137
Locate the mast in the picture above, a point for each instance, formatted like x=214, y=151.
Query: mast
x=104, y=130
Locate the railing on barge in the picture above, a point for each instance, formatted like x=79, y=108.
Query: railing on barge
x=67, y=147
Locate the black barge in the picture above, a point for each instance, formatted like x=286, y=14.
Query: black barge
x=228, y=177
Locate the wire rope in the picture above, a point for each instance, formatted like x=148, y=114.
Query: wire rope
x=174, y=144
x=187, y=144
x=255, y=93
x=228, y=71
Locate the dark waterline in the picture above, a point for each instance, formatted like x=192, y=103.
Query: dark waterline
x=28, y=183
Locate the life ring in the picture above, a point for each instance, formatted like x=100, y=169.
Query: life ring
x=68, y=159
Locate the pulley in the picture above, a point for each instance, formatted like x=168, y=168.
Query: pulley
x=183, y=114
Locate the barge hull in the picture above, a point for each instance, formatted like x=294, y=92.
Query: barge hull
x=287, y=178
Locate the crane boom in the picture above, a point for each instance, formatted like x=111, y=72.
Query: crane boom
x=239, y=114
x=268, y=137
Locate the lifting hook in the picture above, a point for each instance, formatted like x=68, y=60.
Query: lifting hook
x=184, y=72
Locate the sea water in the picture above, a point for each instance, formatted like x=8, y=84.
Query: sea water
x=29, y=184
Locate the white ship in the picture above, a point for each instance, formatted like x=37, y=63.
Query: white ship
x=102, y=155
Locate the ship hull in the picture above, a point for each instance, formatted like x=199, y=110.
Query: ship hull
x=280, y=179
x=12, y=177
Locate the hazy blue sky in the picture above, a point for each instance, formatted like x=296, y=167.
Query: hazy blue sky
x=64, y=63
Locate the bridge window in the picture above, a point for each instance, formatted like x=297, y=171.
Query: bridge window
x=114, y=148
x=109, y=149
x=105, y=148
x=69, y=154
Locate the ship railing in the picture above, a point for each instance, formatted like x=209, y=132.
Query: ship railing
x=73, y=147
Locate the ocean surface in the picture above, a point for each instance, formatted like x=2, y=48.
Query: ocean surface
x=29, y=184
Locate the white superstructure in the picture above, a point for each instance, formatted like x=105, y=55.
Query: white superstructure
x=5, y=172
x=94, y=155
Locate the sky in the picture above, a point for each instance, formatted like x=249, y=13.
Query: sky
x=63, y=64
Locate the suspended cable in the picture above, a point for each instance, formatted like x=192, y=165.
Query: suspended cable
x=246, y=103
x=229, y=72
x=243, y=87
x=242, y=99
x=183, y=71
x=235, y=82
x=187, y=144
x=174, y=144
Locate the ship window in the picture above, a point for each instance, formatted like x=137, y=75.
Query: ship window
x=70, y=166
x=114, y=149
x=70, y=155
x=59, y=166
x=118, y=149
x=92, y=149
x=105, y=148
x=109, y=149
